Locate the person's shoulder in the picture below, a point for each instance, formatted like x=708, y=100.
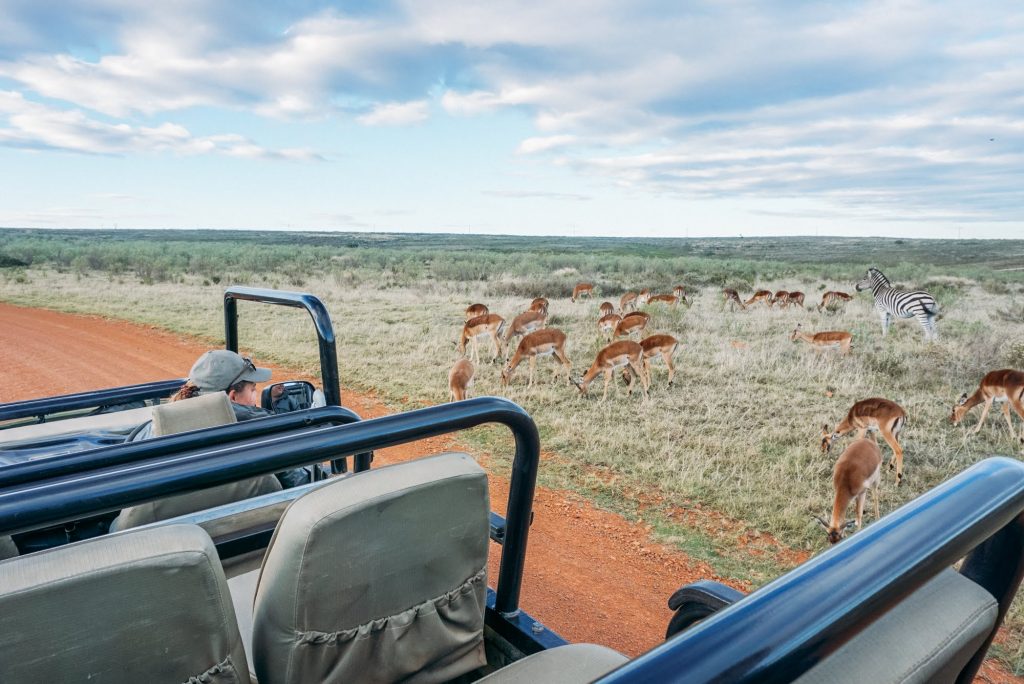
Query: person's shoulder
x=243, y=412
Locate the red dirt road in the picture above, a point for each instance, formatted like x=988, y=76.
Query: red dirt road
x=590, y=575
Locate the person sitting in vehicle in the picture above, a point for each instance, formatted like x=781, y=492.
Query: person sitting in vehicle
x=221, y=370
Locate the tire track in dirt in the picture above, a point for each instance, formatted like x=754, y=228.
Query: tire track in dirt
x=590, y=575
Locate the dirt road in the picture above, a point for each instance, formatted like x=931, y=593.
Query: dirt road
x=591, y=575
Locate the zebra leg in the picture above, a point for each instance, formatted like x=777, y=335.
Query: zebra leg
x=927, y=322
x=884, y=317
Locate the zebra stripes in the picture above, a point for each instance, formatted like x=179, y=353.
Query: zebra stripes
x=892, y=302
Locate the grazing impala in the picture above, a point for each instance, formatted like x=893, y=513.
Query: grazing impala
x=1005, y=386
x=763, y=296
x=539, y=343
x=523, y=324
x=680, y=292
x=481, y=326
x=632, y=323
x=796, y=299
x=858, y=470
x=539, y=305
x=460, y=377
x=474, y=310
x=643, y=297
x=617, y=355
x=834, y=298
x=671, y=300
x=627, y=300
x=781, y=298
x=607, y=324
x=659, y=345
x=582, y=290
x=831, y=339
x=887, y=417
x=606, y=308
x=732, y=298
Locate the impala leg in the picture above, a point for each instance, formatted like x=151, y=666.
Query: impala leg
x=474, y=353
x=897, y=454
x=671, y=369
x=862, y=432
x=533, y=364
x=874, y=499
x=645, y=380
x=565, y=363
x=497, y=347
x=1019, y=409
x=1009, y=421
x=607, y=379
x=861, y=498
x=984, y=414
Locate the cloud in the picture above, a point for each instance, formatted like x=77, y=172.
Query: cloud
x=32, y=125
x=543, y=144
x=396, y=114
x=537, y=194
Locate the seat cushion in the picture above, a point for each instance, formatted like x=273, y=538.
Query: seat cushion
x=573, y=664
x=143, y=606
x=207, y=410
x=378, y=577
x=929, y=637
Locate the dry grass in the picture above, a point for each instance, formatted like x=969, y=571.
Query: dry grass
x=739, y=432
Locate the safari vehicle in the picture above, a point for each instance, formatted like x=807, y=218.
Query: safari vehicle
x=381, y=575
x=62, y=434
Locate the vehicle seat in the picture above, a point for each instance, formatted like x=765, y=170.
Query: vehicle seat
x=378, y=577
x=207, y=410
x=928, y=637
x=572, y=664
x=144, y=606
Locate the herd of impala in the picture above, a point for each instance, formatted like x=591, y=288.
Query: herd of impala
x=857, y=470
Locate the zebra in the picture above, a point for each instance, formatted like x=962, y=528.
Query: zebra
x=900, y=303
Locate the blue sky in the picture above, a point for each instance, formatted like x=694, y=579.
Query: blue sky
x=537, y=117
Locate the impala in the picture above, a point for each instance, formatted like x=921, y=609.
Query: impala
x=481, y=326
x=781, y=298
x=834, y=297
x=796, y=299
x=858, y=470
x=606, y=308
x=474, y=310
x=887, y=417
x=671, y=300
x=764, y=296
x=830, y=339
x=627, y=300
x=680, y=292
x=606, y=324
x=460, y=377
x=539, y=305
x=631, y=323
x=643, y=297
x=616, y=355
x=536, y=344
x=582, y=290
x=732, y=298
x=659, y=345
x=1005, y=386
x=523, y=324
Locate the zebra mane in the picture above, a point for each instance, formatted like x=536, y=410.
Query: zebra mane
x=878, y=276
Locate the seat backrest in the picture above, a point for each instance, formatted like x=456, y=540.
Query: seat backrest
x=378, y=577
x=207, y=410
x=144, y=606
x=928, y=637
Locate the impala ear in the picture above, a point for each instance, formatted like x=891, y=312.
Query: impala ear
x=849, y=524
x=824, y=430
x=820, y=521
x=962, y=400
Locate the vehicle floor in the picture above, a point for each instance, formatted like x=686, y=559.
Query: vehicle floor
x=591, y=575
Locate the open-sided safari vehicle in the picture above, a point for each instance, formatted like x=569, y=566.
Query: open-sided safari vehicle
x=381, y=575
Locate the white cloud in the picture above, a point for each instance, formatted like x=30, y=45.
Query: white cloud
x=545, y=143
x=396, y=114
x=35, y=126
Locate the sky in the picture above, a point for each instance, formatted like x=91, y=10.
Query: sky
x=570, y=117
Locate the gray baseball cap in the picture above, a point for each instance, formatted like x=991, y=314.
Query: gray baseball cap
x=217, y=370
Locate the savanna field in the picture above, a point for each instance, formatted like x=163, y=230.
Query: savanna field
x=739, y=432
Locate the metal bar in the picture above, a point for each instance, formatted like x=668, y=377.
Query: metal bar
x=524, y=632
x=781, y=630
x=172, y=444
x=61, y=499
x=317, y=311
x=93, y=399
